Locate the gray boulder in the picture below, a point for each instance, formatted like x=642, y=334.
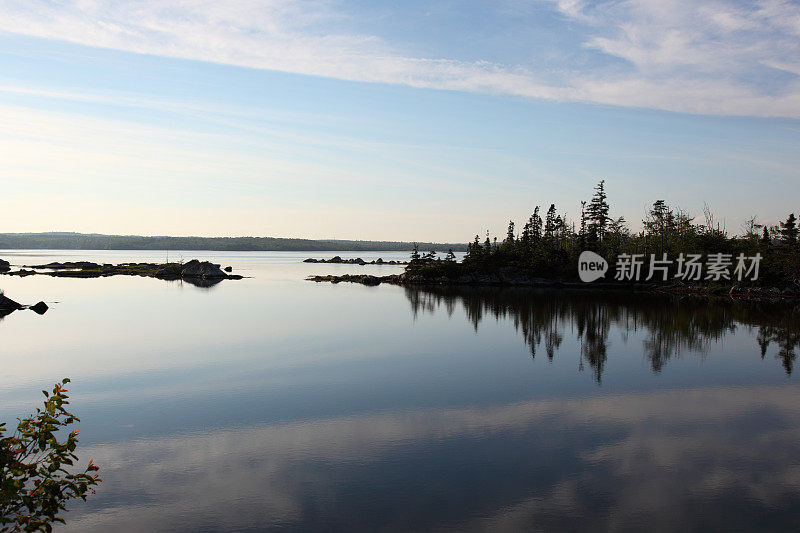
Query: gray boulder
x=169, y=272
x=204, y=269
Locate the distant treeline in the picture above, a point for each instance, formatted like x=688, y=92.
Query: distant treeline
x=94, y=241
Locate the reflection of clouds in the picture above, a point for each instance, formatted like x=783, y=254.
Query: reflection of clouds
x=663, y=454
x=685, y=463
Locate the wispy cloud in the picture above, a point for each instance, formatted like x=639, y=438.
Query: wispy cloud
x=699, y=57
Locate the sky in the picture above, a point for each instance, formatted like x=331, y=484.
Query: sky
x=391, y=120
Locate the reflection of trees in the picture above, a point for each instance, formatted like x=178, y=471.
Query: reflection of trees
x=786, y=338
x=670, y=324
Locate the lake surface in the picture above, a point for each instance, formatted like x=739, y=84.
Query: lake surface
x=274, y=402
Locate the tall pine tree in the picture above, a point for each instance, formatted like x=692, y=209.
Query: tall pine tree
x=597, y=213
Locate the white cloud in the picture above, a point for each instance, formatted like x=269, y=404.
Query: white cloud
x=681, y=55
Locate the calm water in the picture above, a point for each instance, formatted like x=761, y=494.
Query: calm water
x=273, y=402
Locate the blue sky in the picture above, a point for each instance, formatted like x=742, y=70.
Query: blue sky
x=391, y=120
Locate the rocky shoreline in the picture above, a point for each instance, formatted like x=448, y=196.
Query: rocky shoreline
x=198, y=272
x=515, y=278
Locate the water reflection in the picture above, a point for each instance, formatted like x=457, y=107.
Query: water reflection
x=719, y=458
x=273, y=403
x=671, y=324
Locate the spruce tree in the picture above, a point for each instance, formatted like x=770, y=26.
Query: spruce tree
x=765, y=240
x=536, y=225
x=525, y=237
x=510, y=235
x=550, y=222
x=597, y=212
x=789, y=230
x=415, y=253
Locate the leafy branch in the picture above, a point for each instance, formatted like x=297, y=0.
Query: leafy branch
x=35, y=484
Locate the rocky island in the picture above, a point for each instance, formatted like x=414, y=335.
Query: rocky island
x=357, y=261
x=201, y=273
x=671, y=253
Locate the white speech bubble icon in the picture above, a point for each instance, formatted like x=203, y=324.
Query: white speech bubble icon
x=591, y=266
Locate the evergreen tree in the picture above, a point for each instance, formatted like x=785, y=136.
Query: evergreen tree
x=510, y=235
x=789, y=230
x=550, y=222
x=415, y=253
x=659, y=224
x=765, y=240
x=597, y=212
x=536, y=225
x=474, y=251
x=525, y=236
x=559, y=227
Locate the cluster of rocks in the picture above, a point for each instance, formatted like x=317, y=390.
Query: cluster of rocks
x=8, y=306
x=363, y=279
x=357, y=261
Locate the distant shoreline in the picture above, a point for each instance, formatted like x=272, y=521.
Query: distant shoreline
x=92, y=241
